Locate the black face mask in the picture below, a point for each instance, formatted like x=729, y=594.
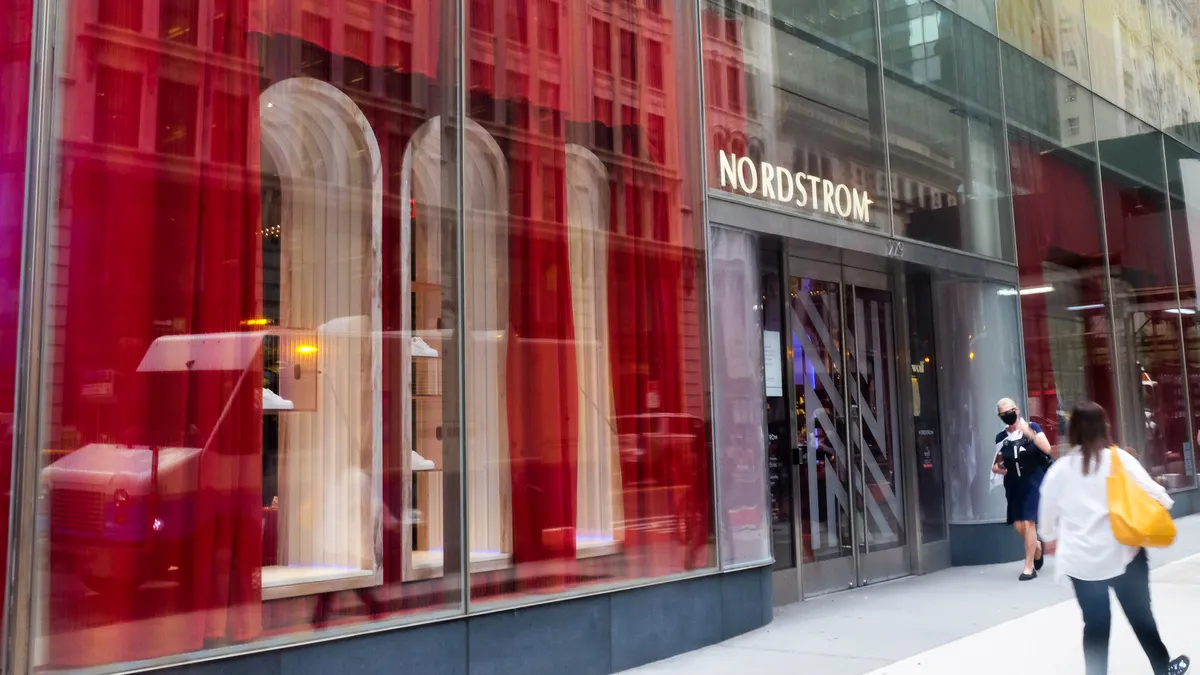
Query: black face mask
x=1009, y=417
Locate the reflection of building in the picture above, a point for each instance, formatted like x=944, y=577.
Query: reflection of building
x=288, y=168
x=506, y=365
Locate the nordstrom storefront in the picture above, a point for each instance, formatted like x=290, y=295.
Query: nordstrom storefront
x=553, y=336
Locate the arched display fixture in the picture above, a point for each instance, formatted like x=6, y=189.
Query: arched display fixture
x=324, y=392
x=599, y=505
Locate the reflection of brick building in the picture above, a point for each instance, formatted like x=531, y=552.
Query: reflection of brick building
x=172, y=100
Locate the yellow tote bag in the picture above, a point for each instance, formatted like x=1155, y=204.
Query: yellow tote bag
x=1137, y=518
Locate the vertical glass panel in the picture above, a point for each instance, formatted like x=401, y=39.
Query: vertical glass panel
x=942, y=89
x=1060, y=250
x=1183, y=191
x=1121, y=52
x=15, y=70
x=1153, y=418
x=587, y=399
x=822, y=425
x=1175, y=25
x=1183, y=180
x=926, y=405
x=1051, y=31
x=251, y=404
x=982, y=13
x=739, y=344
x=794, y=108
x=978, y=362
x=781, y=452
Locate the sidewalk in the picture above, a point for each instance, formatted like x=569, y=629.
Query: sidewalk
x=969, y=619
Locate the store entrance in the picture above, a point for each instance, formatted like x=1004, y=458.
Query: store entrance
x=843, y=366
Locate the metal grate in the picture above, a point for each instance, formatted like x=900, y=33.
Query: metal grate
x=76, y=510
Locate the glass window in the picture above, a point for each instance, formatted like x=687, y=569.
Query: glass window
x=1153, y=419
x=1051, y=31
x=1183, y=180
x=982, y=13
x=978, y=362
x=15, y=69
x=815, y=68
x=1059, y=230
x=926, y=405
x=738, y=339
x=1174, y=26
x=585, y=385
x=250, y=429
x=942, y=91
x=1121, y=50
x=781, y=420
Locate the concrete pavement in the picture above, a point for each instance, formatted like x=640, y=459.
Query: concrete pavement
x=977, y=620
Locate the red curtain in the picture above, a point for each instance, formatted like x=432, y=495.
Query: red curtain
x=542, y=387
x=1056, y=210
x=159, y=246
x=14, y=116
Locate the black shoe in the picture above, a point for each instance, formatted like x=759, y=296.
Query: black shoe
x=1179, y=666
x=1027, y=577
x=1039, y=560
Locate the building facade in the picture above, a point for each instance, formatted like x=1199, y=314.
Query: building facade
x=548, y=336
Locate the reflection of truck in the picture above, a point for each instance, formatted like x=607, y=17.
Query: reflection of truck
x=124, y=514
x=119, y=515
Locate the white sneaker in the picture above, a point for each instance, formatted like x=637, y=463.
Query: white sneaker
x=419, y=463
x=421, y=349
x=273, y=401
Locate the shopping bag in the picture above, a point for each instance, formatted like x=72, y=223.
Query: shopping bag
x=1137, y=518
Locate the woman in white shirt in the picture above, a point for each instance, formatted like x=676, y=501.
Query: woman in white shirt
x=1074, y=514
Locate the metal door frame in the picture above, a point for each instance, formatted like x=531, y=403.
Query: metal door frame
x=861, y=567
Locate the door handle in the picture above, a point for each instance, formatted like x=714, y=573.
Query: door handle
x=797, y=453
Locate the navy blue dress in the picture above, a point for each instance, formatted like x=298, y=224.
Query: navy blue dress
x=1026, y=466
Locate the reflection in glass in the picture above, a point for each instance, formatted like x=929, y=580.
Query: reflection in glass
x=586, y=385
x=1060, y=248
x=794, y=109
x=246, y=436
x=738, y=384
x=15, y=73
x=1183, y=180
x=781, y=453
x=1175, y=28
x=1121, y=50
x=1153, y=419
x=926, y=406
x=978, y=363
x=1051, y=31
x=949, y=179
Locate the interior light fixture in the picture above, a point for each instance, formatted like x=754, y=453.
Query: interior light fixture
x=1082, y=308
x=1182, y=310
x=1037, y=290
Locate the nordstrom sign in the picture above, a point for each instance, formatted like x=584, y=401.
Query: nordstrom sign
x=806, y=190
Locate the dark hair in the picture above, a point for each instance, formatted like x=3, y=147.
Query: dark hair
x=1088, y=429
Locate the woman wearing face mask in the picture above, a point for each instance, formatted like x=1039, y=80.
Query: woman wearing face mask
x=1022, y=455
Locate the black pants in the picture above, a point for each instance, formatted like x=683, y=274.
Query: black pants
x=1133, y=592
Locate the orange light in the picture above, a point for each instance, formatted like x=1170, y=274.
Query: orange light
x=971, y=356
x=256, y=322
x=926, y=359
x=306, y=349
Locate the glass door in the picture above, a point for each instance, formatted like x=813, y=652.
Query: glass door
x=851, y=506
